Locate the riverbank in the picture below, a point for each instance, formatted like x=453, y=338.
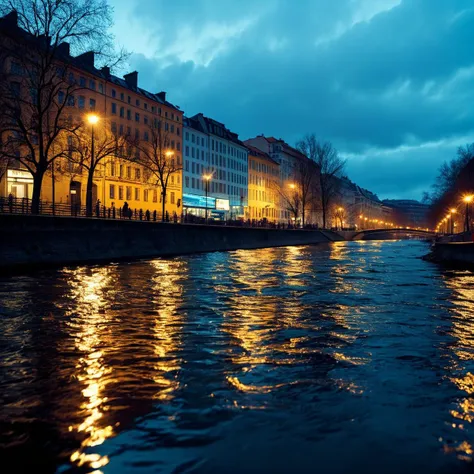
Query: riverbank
x=37, y=241
x=452, y=253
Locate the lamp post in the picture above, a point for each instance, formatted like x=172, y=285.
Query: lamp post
x=340, y=211
x=92, y=119
x=468, y=199
x=452, y=212
x=207, y=178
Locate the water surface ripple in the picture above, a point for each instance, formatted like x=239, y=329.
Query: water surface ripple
x=350, y=357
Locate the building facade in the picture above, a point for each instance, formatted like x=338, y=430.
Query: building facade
x=122, y=109
x=211, y=150
x=264, y=180
x=287, y=158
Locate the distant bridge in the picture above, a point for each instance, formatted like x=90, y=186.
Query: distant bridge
x=387, y=234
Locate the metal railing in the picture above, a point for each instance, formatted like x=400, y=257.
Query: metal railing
x=14, y=205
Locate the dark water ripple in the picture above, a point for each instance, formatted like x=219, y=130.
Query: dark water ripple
x=354, y=357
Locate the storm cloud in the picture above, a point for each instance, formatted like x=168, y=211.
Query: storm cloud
x=389, y=82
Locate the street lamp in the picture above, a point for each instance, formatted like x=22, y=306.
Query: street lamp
x=92, y=119
x=468, y=199
x=340, y=210
x=206, y=178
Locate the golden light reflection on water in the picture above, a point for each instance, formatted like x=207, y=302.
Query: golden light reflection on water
x=167, y=326
x=462, y=318
x=88, y=318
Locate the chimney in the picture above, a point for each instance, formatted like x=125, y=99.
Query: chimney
x=64, y=49
x=106, y=71
x=162, y=96
x=87, y=58
x=132, y=79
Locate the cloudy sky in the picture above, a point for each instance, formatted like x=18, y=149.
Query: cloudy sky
x=389, y=82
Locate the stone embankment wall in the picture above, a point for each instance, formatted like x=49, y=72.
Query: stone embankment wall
x=455, y=253
x=32, y=241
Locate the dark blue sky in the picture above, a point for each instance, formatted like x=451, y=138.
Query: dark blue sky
x=389, y=82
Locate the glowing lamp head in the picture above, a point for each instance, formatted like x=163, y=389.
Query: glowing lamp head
x=92, y=119
x=207, y=177
x=168, y=153
x=340, y=209
x=292, y=186
x=468, y=199
x=453, y=211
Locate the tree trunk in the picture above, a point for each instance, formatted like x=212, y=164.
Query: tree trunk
x=37, y=183
x=90, y=185
x=324, y=216
x=163, y=196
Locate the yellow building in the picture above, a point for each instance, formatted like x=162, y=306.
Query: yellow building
x=263, y=183
x=122, y=109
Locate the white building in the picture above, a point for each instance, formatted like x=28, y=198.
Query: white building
x=211, y=149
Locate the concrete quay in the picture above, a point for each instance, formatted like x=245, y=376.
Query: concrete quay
x=40, y=241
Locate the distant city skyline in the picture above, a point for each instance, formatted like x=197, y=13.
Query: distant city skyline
x=389, y=83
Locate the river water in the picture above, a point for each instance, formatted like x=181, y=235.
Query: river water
x=352, y=357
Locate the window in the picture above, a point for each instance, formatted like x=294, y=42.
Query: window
x=166, y=114
x=121, y=171
x=112, y=191
x=129, y=192
x=129, y=173
x=159, y=110
x=92, y=84
x=72, y=79
x=193, y=167
x=172, y=116
x=137, y=194
x=129, y=99
x=153, y=108
x=187, y=150
x=192, y=182
x=145, y=136
x=145, y=119
x=172, y=198
x=82, y=81
x=145, y=195
x=192, y=152
x=137, y=134
x=114, y=93
x=114, y=108
x=178, y=146
x=172, y=128
x=101, y=87
x=187, y=165
x=137, y=117
x=172, y=144
x=137, y=173
x=121, y=130
x=60, y=93
x=167, y=127
x=82, y=102
x=137, y=103
x=193, y=138
x=145, y=105
x=187, y=135
x=186, y=180
x=122, y=96
x=177, y=131
x=70, y=101
x=155, y=195
x=120, y=196
x=92, y=104
x=114, y=127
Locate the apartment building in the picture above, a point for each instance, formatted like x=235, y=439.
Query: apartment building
x=264, y=182
x=122, y=108
x=212, y=150
x=287, y=157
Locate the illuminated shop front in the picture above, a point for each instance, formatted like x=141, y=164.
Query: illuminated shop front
x=194, y=204
x=20, y=183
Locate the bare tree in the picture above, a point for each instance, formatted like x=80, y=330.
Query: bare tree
x=291, y=197
x=36, y=87
x=89, y=147
x=158, y=158
x=330, y=167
